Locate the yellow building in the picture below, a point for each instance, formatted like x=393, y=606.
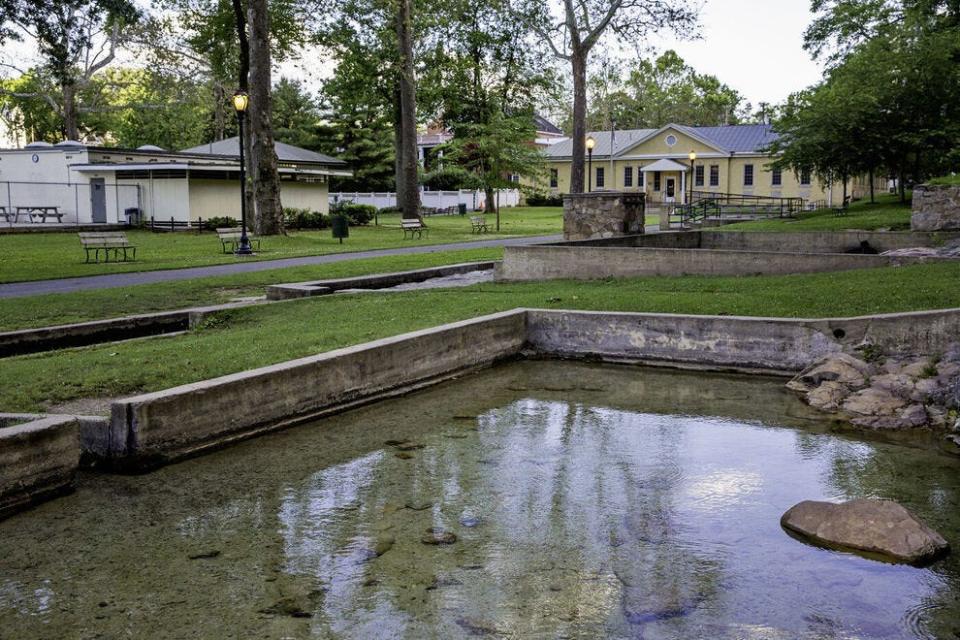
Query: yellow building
x=728, y=160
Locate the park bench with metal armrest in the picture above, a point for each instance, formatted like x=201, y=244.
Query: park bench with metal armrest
x=107, y=242
x=842, y=209
x=413, y=226
x=230, y=239
x=479, y=224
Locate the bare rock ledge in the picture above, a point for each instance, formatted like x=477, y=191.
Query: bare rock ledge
x=880, y=527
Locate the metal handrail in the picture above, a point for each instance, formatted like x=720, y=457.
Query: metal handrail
x=784, y=207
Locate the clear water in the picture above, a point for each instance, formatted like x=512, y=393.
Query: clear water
x=588, y=501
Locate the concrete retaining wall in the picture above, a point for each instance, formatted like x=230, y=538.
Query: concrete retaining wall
x=769, y=345
x=86, y=333
x=154, y=428
x=550, y=262
x=819, y=241
x=39, y=457
x=375, y=281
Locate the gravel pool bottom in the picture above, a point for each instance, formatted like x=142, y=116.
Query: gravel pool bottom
x=584, y=501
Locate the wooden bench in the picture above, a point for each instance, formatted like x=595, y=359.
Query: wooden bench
x=107, y=241
x=479, y=224
x=842, y=210
x=230, y=239
x=413, y=226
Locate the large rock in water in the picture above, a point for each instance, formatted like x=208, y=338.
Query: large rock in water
x=876, y=526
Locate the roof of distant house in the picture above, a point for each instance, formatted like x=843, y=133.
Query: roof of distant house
x=545, y=126
x=437, y=136
x=738, y=138
x=285, y=152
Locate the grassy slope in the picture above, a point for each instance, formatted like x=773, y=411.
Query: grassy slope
x=256, y=336
x=887, y=213
x=63, y=308
x=25, y=257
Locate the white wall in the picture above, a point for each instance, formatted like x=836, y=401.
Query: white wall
x=209, y=198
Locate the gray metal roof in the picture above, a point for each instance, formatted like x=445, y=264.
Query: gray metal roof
x=285, y=152
x=740, y=138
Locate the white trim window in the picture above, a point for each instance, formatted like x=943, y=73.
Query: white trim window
x=628, y=176
x=600, y=178
x=748, y=175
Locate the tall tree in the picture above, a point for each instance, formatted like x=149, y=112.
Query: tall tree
x=495, y=150
x=409, y=198
x=263, y=157
x=76, y=39
x=581, y=25
x=655, y=92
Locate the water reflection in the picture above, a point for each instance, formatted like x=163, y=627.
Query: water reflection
x=587, y=502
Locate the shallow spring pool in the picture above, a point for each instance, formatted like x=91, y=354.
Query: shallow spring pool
x=587, y=501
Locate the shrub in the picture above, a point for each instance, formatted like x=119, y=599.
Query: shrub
x=220, y=222
x=304, y=219
x=358, y=213
x=450, y=178
x=544, y=200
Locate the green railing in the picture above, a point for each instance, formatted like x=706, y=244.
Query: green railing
x=743, y=204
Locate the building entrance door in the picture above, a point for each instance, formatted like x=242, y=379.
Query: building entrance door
x=671, y=192
x=98, y=200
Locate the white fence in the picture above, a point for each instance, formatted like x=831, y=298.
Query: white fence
x=475, y=200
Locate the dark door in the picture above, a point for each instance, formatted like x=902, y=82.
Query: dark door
x=98, y=200
x=671, y=188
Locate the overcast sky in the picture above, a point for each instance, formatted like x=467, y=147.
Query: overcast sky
x=755, y=46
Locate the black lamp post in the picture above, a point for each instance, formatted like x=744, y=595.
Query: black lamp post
x=693, y=174
x=591, y=143
x=240, y=102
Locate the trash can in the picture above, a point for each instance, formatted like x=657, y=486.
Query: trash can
x=133, y=216
x=463, y=208
x=340, y=227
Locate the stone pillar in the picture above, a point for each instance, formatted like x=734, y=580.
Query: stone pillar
x=603, y=214
x=935, y=208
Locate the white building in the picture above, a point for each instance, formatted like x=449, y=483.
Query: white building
x=98, y=184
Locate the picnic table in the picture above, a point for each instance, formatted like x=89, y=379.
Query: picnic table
x=31, y=213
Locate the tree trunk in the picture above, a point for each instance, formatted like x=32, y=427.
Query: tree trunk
x=219, y=112
x=243, y=84
x=263, y=157
x=71, y=125
x=398, y=149
x=410, y=205
x=872, y=195
x=579, y=61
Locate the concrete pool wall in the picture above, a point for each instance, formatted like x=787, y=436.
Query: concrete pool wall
x=39, y=457
x=156, y=428
x=732, y=253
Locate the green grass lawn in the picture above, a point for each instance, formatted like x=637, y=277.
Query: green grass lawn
x=245, y=338
x=888, y=213
x=97, y=304
x=40, y=256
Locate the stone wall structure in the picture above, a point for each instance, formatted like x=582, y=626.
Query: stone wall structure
x=602, y=214
x=936, y=208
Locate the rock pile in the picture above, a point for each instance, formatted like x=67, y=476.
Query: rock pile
x=891, y=393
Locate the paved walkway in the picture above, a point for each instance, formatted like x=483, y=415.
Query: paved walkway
x=67, y=285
